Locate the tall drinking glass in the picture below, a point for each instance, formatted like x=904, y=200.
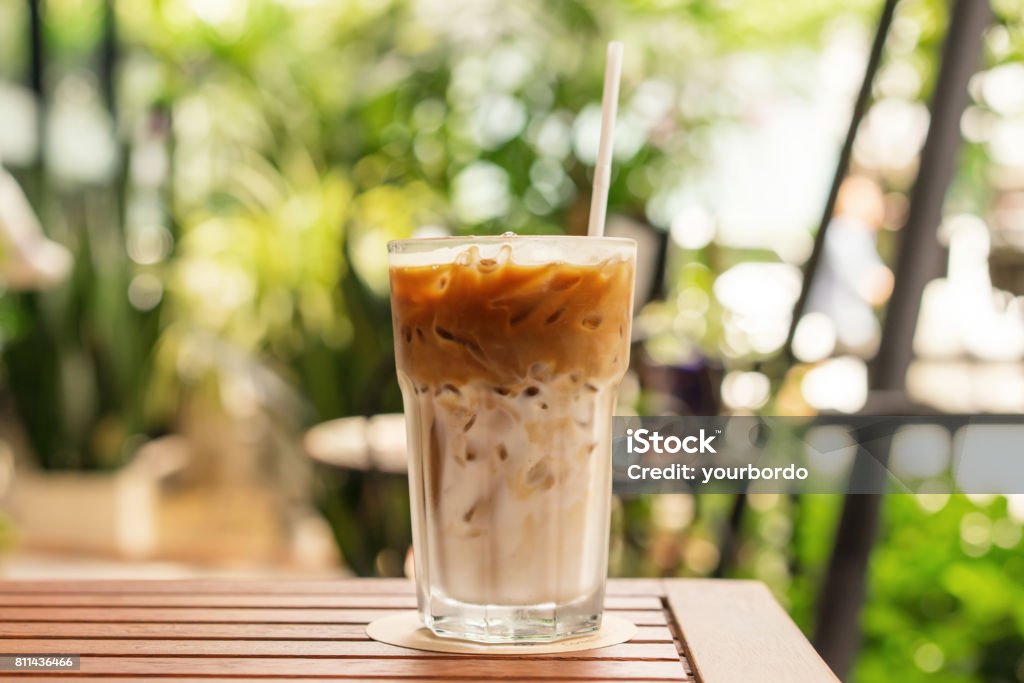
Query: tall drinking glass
x=509, y=352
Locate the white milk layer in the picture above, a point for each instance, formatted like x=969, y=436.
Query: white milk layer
x=512, y=489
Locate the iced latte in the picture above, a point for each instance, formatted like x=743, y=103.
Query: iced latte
x=509, y=352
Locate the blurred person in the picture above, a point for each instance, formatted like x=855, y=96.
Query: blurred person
x=852, y=279
x=28, y=260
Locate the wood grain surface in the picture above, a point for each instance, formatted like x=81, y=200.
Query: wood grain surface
x=735, y=631
x=224, y=630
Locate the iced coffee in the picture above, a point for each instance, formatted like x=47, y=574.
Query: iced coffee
x=509, y=352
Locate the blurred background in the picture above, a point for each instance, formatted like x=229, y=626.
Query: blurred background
x=196, y=364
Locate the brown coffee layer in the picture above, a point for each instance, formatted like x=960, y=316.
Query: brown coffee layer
x=511, y=324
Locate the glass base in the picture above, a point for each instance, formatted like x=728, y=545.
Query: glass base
x=543, y=623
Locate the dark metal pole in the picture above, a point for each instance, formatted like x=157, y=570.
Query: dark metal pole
x=730, y=539
x=36, y=75
x=35, y=58
x=108, y=57
x=837, y=631
x=860, y=107
x=921, y=259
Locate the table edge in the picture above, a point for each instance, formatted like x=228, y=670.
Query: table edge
x=735, y=630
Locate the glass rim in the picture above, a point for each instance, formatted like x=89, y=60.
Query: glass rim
x=454, y=240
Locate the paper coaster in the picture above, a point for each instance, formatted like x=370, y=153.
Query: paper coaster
x=406, y=630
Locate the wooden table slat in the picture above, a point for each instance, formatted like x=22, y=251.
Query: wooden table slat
x=451, y=669
x=375, y=601
x=247, y=615
x=736, y=631
x=290, y=679
x=625, y=587
x=298, y=648
x=182, y=631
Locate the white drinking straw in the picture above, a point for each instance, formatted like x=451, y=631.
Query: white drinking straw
x=603, y=167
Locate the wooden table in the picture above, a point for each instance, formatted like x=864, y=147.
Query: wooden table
x=689, y=630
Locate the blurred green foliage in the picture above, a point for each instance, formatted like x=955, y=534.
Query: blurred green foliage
x=947, y=590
